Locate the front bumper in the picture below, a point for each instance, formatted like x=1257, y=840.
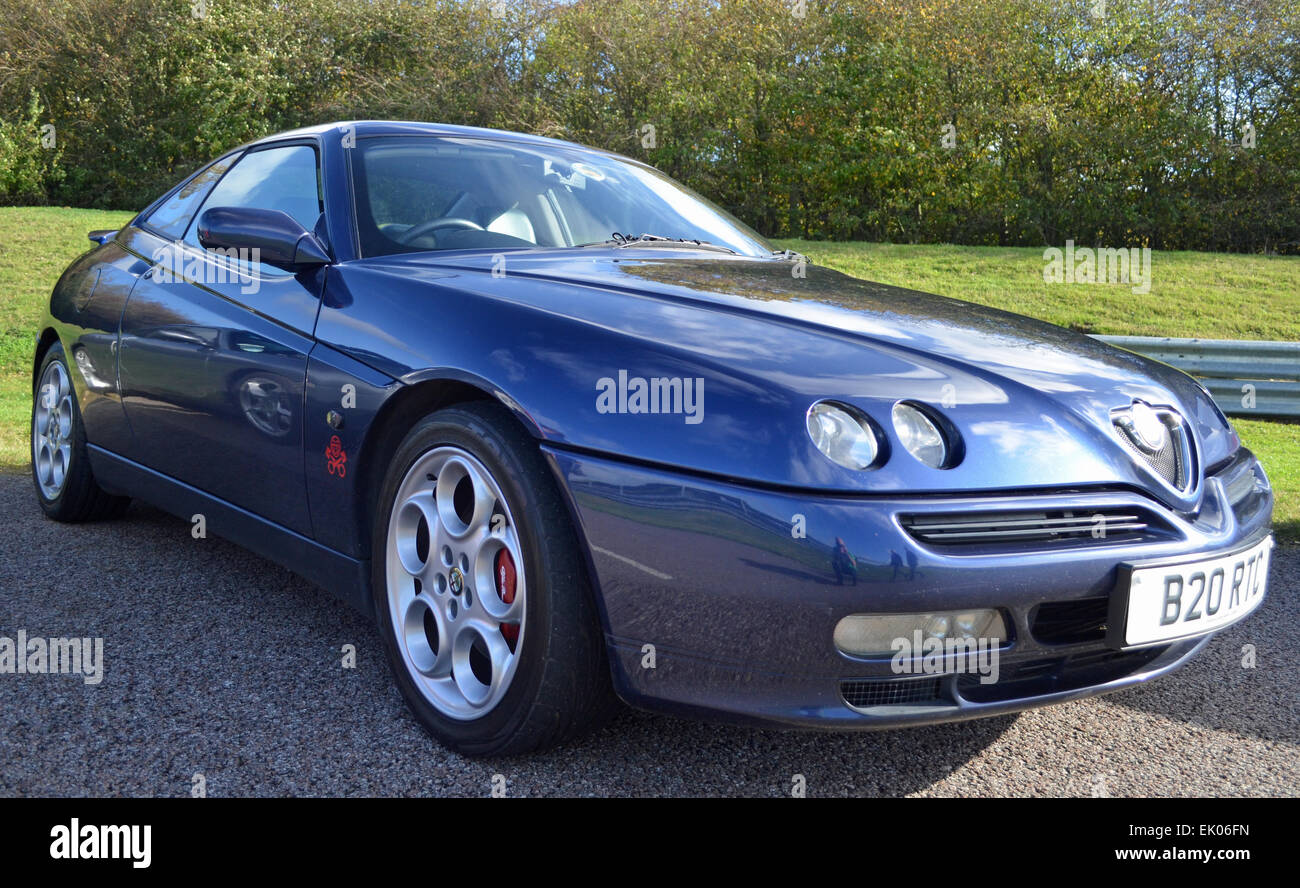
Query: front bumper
x=714, y=605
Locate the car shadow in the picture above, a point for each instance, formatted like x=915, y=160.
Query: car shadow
x=729, y=760
x=1242, y=683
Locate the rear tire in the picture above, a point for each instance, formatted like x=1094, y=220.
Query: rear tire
x=61, y=471
x=480, y=592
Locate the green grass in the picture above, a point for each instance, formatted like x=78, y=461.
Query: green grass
x=1207, y=295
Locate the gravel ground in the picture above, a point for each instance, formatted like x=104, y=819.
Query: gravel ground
x=219, y=663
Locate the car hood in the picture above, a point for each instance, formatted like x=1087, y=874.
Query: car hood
x=1022, y=392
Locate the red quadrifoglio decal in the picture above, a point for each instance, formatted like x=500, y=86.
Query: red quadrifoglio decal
x=336, y=458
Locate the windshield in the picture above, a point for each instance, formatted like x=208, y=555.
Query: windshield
x=458, y=193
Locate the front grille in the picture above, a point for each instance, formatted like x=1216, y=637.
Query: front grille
x=1174, y=461
x=865, y=693
x=1024, y=529
x=1167, y=461
x=1050, y=675
x=1071, y=622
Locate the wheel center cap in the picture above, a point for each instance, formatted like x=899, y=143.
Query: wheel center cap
x=456, y=581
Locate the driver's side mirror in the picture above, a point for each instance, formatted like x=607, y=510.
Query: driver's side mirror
x=276, y=236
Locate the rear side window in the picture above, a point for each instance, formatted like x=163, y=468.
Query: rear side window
x=271, y=179
x=172, y=218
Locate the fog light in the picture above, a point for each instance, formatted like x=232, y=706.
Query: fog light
x=862, y=635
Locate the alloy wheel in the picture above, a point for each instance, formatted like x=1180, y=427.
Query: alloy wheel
x=456, y=588
x=52, y=430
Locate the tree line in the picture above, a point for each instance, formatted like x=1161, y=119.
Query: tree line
x=1164, y=123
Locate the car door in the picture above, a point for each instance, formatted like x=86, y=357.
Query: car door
x=214, y=348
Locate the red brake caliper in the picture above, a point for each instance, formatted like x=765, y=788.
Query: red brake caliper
x=505, y=576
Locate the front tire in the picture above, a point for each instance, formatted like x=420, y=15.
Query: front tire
x=480, y=593
x=61, y=471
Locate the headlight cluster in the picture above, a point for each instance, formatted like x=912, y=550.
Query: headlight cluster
x=847, y=436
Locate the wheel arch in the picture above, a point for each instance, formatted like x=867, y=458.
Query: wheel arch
x=395, y=417
x=44, y=341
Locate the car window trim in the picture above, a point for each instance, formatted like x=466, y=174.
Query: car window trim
x=322, y=193
x=206, y=255
x=141, y=219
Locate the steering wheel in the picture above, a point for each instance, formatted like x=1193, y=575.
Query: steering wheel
x=424, y=228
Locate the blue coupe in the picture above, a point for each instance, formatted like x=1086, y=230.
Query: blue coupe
x=570, y=433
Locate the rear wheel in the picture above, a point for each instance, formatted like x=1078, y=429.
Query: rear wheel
x=60, y=465
x=480, y=593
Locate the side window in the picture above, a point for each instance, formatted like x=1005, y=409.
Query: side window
x=271, y=179
x=173, y=216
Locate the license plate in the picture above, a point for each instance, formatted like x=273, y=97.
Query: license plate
x=1190, y=598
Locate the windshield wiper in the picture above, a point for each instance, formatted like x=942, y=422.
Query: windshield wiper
x=629, y=240
x=792, y=255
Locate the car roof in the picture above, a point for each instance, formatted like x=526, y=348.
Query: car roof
x=391, y=128
x=416, y=127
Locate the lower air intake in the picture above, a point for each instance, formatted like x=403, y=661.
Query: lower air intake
x=865, y=693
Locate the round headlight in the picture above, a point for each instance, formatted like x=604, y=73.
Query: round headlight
x=843, y=434
x=920, y=435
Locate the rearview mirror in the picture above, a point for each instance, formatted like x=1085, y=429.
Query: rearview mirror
x=276, y=236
